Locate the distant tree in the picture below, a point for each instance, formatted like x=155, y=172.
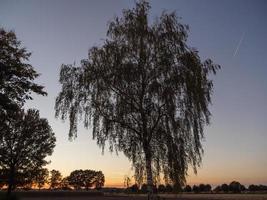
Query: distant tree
x=16, y=74
x=207, y=188
x=201, y=187
x=161, y=188
x=134, y=188
x=195, y=189
x=64, y=185
x=41, y=177
x=55, y=179
x=147, y=93
x=188, y=188
x=4, y=177
x=235, y=187
x=144, y=188
x=257, y=188
x=224, y=187
x=252, y=187
x=243, y=188
x=217, y=189
x=86, y=179
x=77, y=179
x=25, y=142
x=169, y=188
x=263, y=187
x=99, y=180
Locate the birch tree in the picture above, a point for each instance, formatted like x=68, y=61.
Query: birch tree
x=145, y=92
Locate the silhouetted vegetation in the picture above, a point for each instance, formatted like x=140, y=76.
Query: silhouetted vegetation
x=41, y=178
x=233, y=187
x=85, y=179
x=24, y=143
x=25, y=138
x=55, y=179
x=146, y=92
x=200, y=188
x=16, y=74
x=187, y=188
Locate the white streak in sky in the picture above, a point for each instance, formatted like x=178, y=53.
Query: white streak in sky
x=239, y=44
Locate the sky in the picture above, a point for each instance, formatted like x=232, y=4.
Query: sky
x=231, y=33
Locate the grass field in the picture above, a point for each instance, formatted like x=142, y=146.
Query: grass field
x=143, y=197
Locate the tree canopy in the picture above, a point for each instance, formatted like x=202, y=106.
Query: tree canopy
x=16, y=74
x=86, y=179
x=25, y=142
x=55, y=179
x=146, y=92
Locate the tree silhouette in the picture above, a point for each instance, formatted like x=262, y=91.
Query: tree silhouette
x=134, y=188
x=187, y=188
x=224, y=187
x=235, y=187
x=195, y=189
x=65, y=185
x=147, y=93
x=86, y=179
x=99, y=180
x=144, y=188
x=25, y=142
x=161, y=188
x=16, y=74
x=41, y=177
x=55, y=179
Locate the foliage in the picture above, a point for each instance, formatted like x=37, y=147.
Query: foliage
x=55, y=179
x=26, y=139
x=224, y=187
x=144, y=188
x=146, y=92
x=188, y=188
x=195, y=189
x=236, y=187
x=86, y=179
x=233, y=187
x=161, y=188
x=134, y=188
x=16, y=74
x=257, y=187
x=217, y=188
x=127, y=181
x=41, y=177
x=64, y=185
x=169, y=188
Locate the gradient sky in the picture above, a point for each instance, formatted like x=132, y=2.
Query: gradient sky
x=232, y=33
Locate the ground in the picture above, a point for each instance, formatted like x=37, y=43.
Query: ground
x=165, y=197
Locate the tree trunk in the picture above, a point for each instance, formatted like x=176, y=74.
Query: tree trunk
x=11, y=181
x=149, y=174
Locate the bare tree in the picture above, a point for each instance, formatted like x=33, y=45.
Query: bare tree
x=145, y=91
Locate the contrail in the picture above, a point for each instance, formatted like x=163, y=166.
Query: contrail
x=239, y=44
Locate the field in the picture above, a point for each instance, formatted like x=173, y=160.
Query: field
x=99, y=196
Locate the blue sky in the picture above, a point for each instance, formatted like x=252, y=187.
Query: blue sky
x=231, y=33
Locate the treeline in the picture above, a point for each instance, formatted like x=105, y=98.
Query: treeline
x=43, y=178
x=233, y=187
